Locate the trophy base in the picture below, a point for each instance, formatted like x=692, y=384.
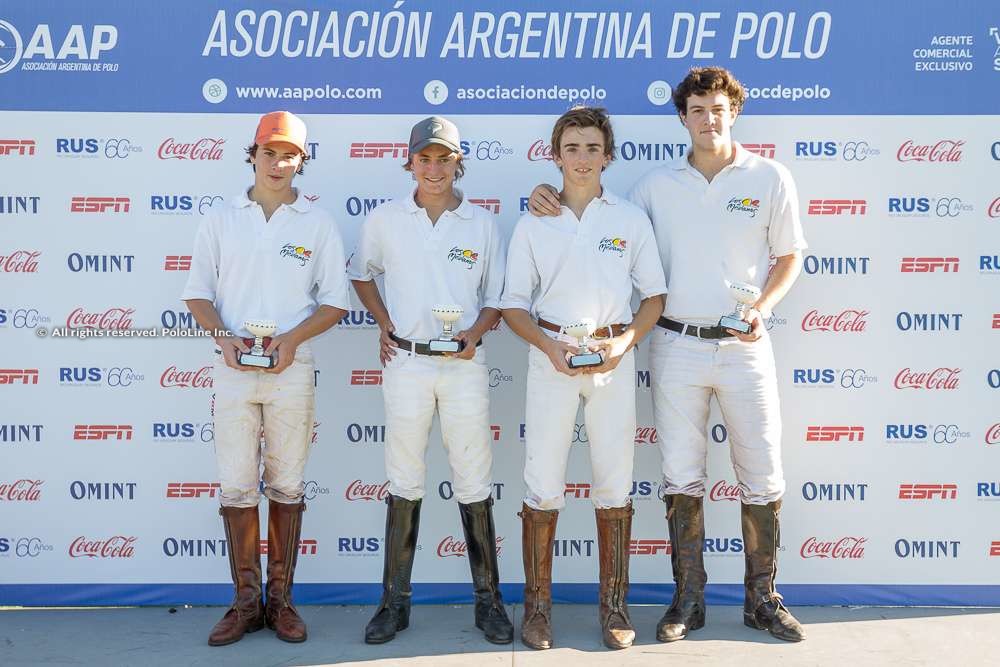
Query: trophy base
x=585, y=360
x=439, y=345
x=255, y=360
x=736, y=324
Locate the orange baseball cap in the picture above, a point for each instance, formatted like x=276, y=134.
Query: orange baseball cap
x=281, y=126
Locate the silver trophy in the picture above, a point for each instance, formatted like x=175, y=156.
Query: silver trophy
x=446, y=342
x=262, y=331
x=745, y=295
x=583, y=358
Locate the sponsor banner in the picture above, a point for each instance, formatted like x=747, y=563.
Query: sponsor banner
x=498, y=57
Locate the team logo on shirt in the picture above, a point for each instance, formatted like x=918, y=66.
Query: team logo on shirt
x=616, y=245
x=465, y=256
x=744, y=205
x=298, y=252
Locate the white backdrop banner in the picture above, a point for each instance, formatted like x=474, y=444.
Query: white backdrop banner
x=888, y=377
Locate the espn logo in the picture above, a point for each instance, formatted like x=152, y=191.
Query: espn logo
x=495, y=431
x=306, y=547
x=12, y=375
x=378, y=149
x=649, y=547
x=491, y=205
x=177, y=263
x=99, y=204
x=193, y=489
x=835, y=433
x=366, y=378
x=928, y=491
x=577, y=490
x=21, y=146
x=763, y=150
x=102, y=432
x=837, y=207
x=928, y=264
x=995, y=548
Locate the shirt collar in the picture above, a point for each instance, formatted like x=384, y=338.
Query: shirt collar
x=301, y=203
x=743, y=156
x=740, y=161
x=608, y=197
x=464, y=210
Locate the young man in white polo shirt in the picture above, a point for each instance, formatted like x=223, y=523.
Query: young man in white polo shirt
x=267, y=254
x=434, y=249
x=581, y=266
x=719, y=214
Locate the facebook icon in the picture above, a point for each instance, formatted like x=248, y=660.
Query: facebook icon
x=435, y=92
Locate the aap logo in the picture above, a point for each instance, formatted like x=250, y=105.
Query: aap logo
x=11, y=47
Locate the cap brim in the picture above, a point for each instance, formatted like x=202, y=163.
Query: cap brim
x=274, y=138
x=434, y=140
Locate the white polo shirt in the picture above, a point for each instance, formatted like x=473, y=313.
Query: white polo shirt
x=281, y=269
x=728, y=229
x=563, y=269
x=458, y=260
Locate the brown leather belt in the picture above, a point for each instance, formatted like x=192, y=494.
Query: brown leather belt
x=600, y=333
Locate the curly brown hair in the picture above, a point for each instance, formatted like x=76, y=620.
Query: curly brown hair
x=581, y=117
x=705, y=80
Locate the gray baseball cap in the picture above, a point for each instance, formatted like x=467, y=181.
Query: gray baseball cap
x=435, y=130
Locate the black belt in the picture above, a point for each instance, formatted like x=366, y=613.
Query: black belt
x=420, y=348
x=692, y=330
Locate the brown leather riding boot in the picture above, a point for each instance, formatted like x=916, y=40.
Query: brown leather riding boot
x=538, y=531
x=284, y=527
x=686, y=525
x=614, y=532
x=762, y=607
x=246, y=614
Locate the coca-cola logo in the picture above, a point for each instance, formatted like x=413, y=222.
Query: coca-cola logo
x=112, y=318
x=539, y=151
x=21, y=490
x=993, y=435
x=118, y=546
x=994, y=208
x=723, y=490
x=358, y=490
x=848, y=548
x=201, y=149
x=199, y=379
x=646, y=435
x=846, y=321
x=945, y=150
x=939, y=378
x=20, y=261
x=450, y=546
